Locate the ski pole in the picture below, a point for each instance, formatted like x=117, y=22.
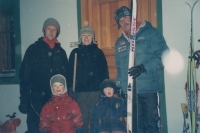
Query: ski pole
x=74, y=77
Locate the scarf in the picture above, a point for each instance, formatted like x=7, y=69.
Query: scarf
x=50, y=43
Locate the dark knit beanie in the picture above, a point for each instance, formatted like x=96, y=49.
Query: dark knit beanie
x=58, y=78
x=51, y=21
x=121, y=12
x=108, y=83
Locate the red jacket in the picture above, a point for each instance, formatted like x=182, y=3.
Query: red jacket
x=61, y=114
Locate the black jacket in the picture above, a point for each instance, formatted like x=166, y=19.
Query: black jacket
x=91, y=68
x=40, y=63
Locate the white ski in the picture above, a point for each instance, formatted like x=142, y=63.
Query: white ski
x=131, y=64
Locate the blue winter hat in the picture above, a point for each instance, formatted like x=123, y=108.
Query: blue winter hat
x=121, y=12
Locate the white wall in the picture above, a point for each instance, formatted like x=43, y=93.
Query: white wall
x=33, y=13
x=176, y=30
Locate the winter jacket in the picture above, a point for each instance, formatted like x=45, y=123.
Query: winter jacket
x=61, y=114
x=150, y=48
x=40, y=63
x=91, y=68
x=108, y=115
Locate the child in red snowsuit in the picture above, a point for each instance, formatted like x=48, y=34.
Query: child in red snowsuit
x=61, y=114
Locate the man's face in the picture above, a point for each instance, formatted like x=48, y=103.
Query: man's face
x=124, y=22
x=50, y=32
x=86, y=39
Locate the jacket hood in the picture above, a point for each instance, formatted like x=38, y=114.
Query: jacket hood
x=58, y=78
x=143, y=25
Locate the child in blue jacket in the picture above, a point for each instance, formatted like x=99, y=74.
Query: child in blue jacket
x=110, y=112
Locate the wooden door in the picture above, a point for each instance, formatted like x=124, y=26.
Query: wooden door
x=100, y=16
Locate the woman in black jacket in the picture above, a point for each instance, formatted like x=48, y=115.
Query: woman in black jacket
x=91, y=70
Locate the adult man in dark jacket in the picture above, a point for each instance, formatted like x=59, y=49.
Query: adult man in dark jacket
x=42, y=60
x=147, y=72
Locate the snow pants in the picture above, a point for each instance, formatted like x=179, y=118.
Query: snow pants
x=32, y=121
x=148, y=113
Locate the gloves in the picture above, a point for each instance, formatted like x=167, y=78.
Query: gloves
x=135, y=71
x=23, y=108
x=72, y=93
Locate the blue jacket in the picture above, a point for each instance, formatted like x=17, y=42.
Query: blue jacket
x=149, y=50
x=108, y=115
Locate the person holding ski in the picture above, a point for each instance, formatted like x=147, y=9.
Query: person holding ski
x=41, y=61
x=91, y=70
x=109, y=114
x=61, y=114
x=147, y=71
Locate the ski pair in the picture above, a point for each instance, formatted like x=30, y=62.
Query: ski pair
x=191, y=81
x=184, y=106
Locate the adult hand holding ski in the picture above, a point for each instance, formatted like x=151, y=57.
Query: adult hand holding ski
x=135, y=71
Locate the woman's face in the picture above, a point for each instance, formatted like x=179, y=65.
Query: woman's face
x=86, y=39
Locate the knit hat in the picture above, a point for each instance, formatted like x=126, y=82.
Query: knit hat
x=51, y=21
x=108, y=83
x=121, y=12
x=58, y=78
x=86, y=30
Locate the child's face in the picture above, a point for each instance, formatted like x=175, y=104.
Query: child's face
x=58, y=88
x=108, y=91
